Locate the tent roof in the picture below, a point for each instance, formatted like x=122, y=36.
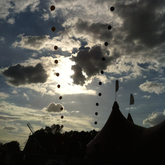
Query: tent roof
x=129, y=118
x=119, y=133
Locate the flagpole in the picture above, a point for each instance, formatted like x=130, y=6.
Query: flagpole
x=115, y=95
x=116, y=88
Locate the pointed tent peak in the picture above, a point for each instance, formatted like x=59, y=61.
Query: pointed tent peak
x=115, y=105
x=129, y=118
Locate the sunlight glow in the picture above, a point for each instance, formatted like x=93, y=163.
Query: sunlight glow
x=64, y=79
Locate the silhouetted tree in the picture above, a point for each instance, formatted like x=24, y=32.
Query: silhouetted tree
x=12, y=146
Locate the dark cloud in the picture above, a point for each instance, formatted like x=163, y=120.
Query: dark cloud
x=9, y=128
x=78, y=77
x=21, y=75
x=154, y=119
x=95, y=30
x=143, y=21
x=90, y=61
x=137, y=28
x=52, y=107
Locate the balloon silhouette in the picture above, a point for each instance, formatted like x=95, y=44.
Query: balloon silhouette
x=56, y=47
x=52, y=8
x=60, y=97
x=103, y=58
x=97, y=104
x=99, y=94
x=56, y=61
x=109, y=27
x=57, y=74
x=96, y=113
x=100, y=83
x=58, y=86
x=102, y=72
x=106, y=43
x=112, y=8
x=53, y=29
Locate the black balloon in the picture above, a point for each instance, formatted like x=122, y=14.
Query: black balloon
x=106, y=43
x=103, y=58
x=109, y=27
x=102, y=72
x=100, y=83
x=112, y=8
x=100, y=94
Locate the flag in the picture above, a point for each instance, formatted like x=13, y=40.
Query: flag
x=131, y=99
x=117, y=85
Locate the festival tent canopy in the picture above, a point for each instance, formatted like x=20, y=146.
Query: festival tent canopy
x=121, y=136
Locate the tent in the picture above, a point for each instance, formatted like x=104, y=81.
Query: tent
x=121, y=138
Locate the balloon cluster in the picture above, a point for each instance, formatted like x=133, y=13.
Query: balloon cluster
x=103, y=59
x=52, y=8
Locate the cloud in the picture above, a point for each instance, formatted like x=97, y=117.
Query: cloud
x=21, y=75
x=152, y=87
x=65, y=43
x=9, y=118
x=90, y=62
x=146, y=96
x=26, y=96
x=53, y=107
x=155, y=118
x=45, y=16
x=75, y=111
x=78, y=77
x=9, y=128
x=13, y=7
x=2, y=39
x=11, y=20
x=32, y=42
x=95, y=30
x=21, y=113
x=14, y=92
x=143, y=22
x=3, y=95
x=137, y=28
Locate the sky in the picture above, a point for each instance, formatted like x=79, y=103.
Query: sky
x=36, y=89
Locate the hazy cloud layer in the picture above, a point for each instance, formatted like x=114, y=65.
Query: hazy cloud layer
x=152, y=87
x=53, y=107
x=3, y=95
x=155, y=118
x=9, y=118
x=21, y=75
x=32, y=42
x=9, y=128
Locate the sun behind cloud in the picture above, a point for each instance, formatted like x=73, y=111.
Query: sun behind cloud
x=62, y=75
